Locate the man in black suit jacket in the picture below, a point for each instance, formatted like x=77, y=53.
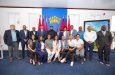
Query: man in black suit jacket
x=24, y=36
x=51, y=32
x=104, y=41
x=11, y=39
x=41, y=32
x=60, y=34
x=33, y=32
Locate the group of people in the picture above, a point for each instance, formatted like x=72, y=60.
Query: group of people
x=61, y=46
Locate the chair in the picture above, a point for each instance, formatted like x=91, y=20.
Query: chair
x=1, y=49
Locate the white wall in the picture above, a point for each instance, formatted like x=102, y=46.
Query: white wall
x=29, y=17
x=113, y=24
x=18, y=16
x=77, y=17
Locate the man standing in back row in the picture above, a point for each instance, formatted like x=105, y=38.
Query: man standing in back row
x=11, y=39
x=89, y=37
x=73, y=31
x=24, y=36
x=51, y=32
x=104, y=41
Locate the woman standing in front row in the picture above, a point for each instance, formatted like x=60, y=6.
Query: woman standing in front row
x=40, y=50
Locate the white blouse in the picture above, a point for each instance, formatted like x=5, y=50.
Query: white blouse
x=71, y=43
x=42, y=45
x=79, y=42
x=56, y=45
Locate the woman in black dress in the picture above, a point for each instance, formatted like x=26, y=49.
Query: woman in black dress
x=32, y=49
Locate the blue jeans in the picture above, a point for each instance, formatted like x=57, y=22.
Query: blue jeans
x=81, y=52
x=89, y=47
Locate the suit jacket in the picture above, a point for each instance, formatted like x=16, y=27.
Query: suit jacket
x=38, y=46
x=52, y=33
x=67, y=35
x=60, y=34
x=23, y=36
x=31, y=33
x=65, y=44
x=73, y=33
x=56, y=45
x=8, y=37
x=40, y=33
x=104, y=40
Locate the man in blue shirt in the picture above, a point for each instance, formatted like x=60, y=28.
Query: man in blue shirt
x=81, y=32
x=11, y=39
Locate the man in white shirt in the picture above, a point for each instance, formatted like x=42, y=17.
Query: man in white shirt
x=89, y=37
x=79, y=48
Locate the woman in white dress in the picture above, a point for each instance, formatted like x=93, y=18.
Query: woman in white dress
x=56, y=47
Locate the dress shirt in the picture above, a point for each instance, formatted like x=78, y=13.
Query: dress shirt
x=90, y=36
x=14, y=37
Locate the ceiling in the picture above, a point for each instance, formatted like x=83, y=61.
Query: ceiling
x=92, y=4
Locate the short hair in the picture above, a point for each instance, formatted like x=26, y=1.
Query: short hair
x=77, y=35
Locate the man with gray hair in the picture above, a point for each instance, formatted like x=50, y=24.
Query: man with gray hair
x=89, y=37
x=11, y=39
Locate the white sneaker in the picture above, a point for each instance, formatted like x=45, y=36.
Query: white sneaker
x=39, y=63
x=101, y=62
x=72, y=64
x=30, y=61
x=63, y=60
x=34, y=62
x=107, y=64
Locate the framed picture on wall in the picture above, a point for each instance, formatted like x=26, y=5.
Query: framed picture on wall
x=96, y=26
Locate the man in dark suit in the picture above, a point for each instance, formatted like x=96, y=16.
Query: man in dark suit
x=73, y=31
x=33, y=32
x=104, y=41
x=51, y=32
x=24, y=36
x=41, y=32
x=11, y=39
x=60, y=34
